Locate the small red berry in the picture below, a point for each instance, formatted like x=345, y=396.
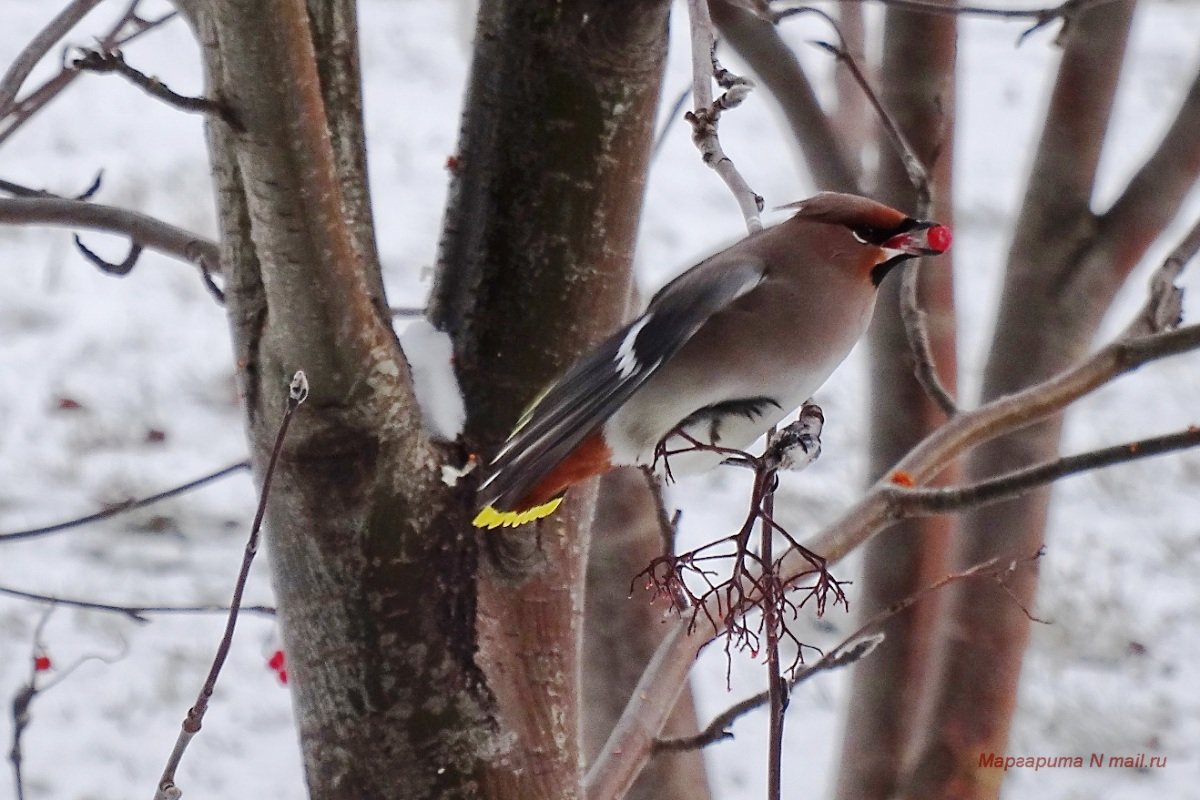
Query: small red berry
x=276, y=661
x=282, y=676
x=41, y=663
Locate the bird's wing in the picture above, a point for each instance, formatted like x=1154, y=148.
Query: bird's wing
x=599, y=383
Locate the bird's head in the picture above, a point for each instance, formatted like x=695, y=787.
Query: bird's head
x=893, y=235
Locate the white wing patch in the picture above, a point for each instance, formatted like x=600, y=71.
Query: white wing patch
x=627, y=362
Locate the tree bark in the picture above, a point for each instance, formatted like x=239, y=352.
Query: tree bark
x=917, y=88
x=534, y=269
x=1063, y=269
x=386, y=694
x=388, y=606
x=623, y=631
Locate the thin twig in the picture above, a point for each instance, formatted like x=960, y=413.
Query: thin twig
x=707, y=111
x=20, y=190
x=916, y=330
x=1066, y=11
x=125, y=507
x=931, y=501
x=24, y=109
x=23, y=700
x=113, y=61
x=914, y=318
x=672, y=115
x=142, y=230
x=39, y=664
x=27, y=59
x=772, y=623
x=120, y=269
x=135, y=613
x=167, y=790
x=850, y=650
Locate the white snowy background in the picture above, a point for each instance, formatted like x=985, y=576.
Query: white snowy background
x=147, y=359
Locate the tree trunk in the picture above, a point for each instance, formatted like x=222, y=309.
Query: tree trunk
x=534, y=268
x=917, y=88
x=984, y=633
x=420, y=666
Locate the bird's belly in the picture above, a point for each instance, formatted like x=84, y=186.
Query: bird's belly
x=787, y=369
x=633, y=433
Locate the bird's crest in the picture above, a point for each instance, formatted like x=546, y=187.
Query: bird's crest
x=850, y=210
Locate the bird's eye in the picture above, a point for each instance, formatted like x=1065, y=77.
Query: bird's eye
x=867, y=235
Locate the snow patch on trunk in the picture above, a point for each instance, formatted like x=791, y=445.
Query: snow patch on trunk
x=430, y=354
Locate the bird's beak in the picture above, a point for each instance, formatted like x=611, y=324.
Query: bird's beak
x=926, y=239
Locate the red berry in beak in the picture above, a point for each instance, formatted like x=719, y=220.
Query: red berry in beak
x=939, y=238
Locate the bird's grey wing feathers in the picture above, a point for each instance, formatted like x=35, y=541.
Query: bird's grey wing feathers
x=597, y=385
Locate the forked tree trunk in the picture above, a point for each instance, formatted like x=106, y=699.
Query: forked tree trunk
x=423, y=666
x=1065, y=265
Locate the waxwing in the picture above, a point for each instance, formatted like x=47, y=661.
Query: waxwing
x=722, y=353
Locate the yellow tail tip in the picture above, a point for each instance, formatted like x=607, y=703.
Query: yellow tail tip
x=490, y=518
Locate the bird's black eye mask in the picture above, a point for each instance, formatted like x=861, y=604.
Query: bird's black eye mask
x=869, y=234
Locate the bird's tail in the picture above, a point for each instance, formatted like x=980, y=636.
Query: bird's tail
x=490, y=517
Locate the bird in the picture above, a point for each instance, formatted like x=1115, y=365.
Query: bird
x=721, y=354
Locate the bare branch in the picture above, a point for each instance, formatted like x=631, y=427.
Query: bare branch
x=707, y=111
x=917, y=174
x=135, y=613
x=1164, y=307
x=128, y=27
x=1066, y=11
x=123, y=508
x=916, y=330
x=113, y=61
x=775, y=63
x=142, y=230
x=40, y=664
x=167, y=790
x=20, y=190
x=940, y=500
x=777, y=691
x=1155, y=193
x=27, y=59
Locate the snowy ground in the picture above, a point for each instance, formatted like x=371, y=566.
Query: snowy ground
x=147, y=361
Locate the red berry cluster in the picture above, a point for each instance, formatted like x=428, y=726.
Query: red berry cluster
x=278, y=663
x=41, y=663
